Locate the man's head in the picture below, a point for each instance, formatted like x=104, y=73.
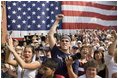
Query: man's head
x=91, y=69
x=65, y=42
x=48, y=67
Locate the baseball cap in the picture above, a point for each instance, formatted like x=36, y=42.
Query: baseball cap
x=74, y=47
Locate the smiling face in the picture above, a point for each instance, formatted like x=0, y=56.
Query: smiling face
x=84, y=52
x=28, y=54
x=98, y=56
x=91, y=72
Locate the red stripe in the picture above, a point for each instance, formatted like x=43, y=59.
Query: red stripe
x=89, y=14
x=91, y=4
x=84, y=26
x=19, y=39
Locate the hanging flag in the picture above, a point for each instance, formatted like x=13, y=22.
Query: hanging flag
x=32, y=17
x=89, y=15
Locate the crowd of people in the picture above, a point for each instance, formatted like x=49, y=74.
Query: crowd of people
x=89, y=53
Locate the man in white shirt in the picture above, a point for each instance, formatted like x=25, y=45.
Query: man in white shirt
x=111, y=58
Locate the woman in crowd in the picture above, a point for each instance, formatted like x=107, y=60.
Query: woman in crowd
x=26, y=66
x=102, y=69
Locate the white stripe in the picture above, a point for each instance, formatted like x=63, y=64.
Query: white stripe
x=88, y=9
x=16, y=34
x=112, y=3
x=69, y=19
x=21, y=34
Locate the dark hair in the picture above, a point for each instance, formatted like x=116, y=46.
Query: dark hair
x=91, y=63
x=84, y=46
x=65, y=37
x=95, y=52
x=50, y=63
x=29, y=46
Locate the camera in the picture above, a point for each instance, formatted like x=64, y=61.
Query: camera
x=76, y=56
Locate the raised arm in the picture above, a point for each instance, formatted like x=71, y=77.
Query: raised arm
x=52, y=30
x=112, y=47
x=21, y=62
x=8, y=58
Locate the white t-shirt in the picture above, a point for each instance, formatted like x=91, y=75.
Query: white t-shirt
x=84, y=76
x=111, y=65
x=28, y=73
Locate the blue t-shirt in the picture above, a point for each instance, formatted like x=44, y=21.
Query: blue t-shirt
x=60, y=56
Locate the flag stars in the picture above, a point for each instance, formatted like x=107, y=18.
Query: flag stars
x=38, y=25
x=33, y=4
x=14, y=12
x=52, y=20
x=33, y=13
x=29, y=9
x=56, y=8
x=13, y=21
x=43, y=22
x=33, y=21
x=43, y=5
x=47, y=17
x=14, y=4
x=48, y=25
x=52, y=5
x=38, y=17
x=18, y=26
x=29, y=26
x=19, y=9
x=19, y=17
x=47, y=9
x=8, y=26
x=9, y=16
x=38, y=8
x=24, y=13
x=43, y=13
x=29, y=17
x=52, y=12
x=24, y=21
x=24, y=5
x=9, y=8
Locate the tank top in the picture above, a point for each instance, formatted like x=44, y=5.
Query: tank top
x=26, y=73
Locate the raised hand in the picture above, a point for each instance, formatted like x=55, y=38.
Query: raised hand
x=10, y=45
x=114, y=34
x=10, y=41
x=69, y=61
x=59, y=16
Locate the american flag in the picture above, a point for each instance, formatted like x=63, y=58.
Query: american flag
x=31, y=16
x=38, y=16
x=95, y=14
